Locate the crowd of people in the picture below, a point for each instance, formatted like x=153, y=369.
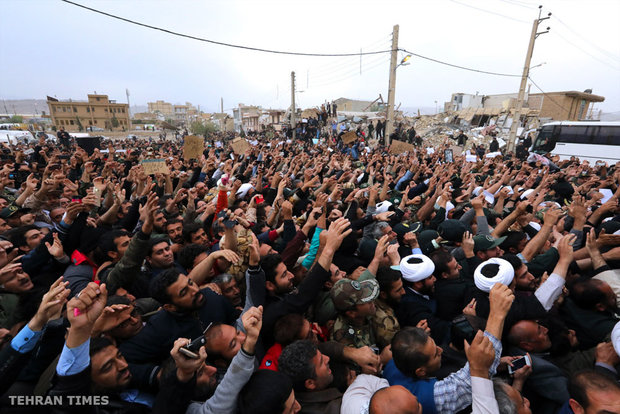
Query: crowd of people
x=305, y=276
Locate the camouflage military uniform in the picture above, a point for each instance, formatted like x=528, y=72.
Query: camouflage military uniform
x=384, y=323
x=355, y=336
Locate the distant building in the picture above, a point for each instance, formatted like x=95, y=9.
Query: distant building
x=164, y=108
x=352, y=105
x=558, y=106
x=463, y=100
x=97, y=112
x=565, y=106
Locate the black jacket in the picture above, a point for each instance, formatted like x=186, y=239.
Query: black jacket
x=154, y=342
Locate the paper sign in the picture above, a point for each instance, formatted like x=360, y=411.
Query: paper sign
x=399, y=147
x=193, y=147
x=349, y=137
x=155, y=166
x=239, y=145
x=456, y=150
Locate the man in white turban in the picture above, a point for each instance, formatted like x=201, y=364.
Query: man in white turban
x=418, y=302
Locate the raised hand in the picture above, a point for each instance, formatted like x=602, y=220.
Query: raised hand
x=480, y=354
x=186, y=367
x=51, y=304
x=55, y=249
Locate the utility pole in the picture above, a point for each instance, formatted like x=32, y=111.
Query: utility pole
x=293, y=122
x=516, y=119
x=128, y=107
x=222, y=105
x=389, y=122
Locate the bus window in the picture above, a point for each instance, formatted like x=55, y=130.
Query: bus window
x=611, y=133
x=574, y=135
x=594, y=135
x=545, y=142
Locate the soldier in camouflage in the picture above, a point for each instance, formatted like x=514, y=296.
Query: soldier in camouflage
x=384, y=322
x=355, y=302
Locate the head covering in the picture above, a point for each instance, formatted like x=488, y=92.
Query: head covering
x=347, y=293
x=504, y=275
x=526, y=193
x=415, y=267
x=452, y=230
x=484, y=242
x=426, y=240
x=383, y=206
x=11, y=210
x=243, y=190
x=403, y=228
x=615, y=338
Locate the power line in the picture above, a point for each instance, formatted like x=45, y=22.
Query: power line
x=591, y=43
x=585, y=51
x=255, y=49
x=461, y=67
x=545, y=94
x=489, y=11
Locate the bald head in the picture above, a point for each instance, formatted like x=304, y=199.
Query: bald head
x=394, y=400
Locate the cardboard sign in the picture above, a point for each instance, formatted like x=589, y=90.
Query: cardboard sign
x=239, y=146
x=155, y=166
x=456, y=150
x=400, y=147
x=349, y=137
x=193, y=147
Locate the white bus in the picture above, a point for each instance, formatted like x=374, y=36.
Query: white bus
x=592, y=141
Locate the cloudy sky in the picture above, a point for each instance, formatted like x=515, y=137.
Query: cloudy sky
x=50, y=47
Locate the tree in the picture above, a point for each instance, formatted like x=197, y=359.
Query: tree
x=16, y=119
x=114, y=121
x=79, y=124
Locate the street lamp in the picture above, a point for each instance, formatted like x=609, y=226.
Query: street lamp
x=405, y=61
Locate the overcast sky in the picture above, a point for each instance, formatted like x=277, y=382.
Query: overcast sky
x=53, y=48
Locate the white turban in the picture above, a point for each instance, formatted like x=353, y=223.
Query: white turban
x=615, y=338
x=383, y=206
x=526, y=193
x=416, y=267
x=504, y=275
x=243, y=190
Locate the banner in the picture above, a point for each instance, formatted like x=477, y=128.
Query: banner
x=349, y=137
x=193, y=147
x=155, y=166
x=239, y=146
x=400, y=147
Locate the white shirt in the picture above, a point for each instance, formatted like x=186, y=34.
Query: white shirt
x=357, y=397
x=483, y=398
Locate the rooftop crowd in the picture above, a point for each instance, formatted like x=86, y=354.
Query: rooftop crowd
x=307, y=277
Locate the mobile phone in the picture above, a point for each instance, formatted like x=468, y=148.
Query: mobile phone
x=54, y=167
x=192, y=350
x=229, y=224
x=464, y=327
x=318, y=214
x=529, y=209
x=221, y=214
x=76, y=200
x=259, y=199
x=519, y=363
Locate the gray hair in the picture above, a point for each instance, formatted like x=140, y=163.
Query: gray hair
x=222, y=278
x=377, y=232
x=505, y=404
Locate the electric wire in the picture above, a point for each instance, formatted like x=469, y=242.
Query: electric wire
x=489, y=11
x=586, y=52
x=545, y=94
x=591, y=43
x=215, y=42
x=459, y=66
